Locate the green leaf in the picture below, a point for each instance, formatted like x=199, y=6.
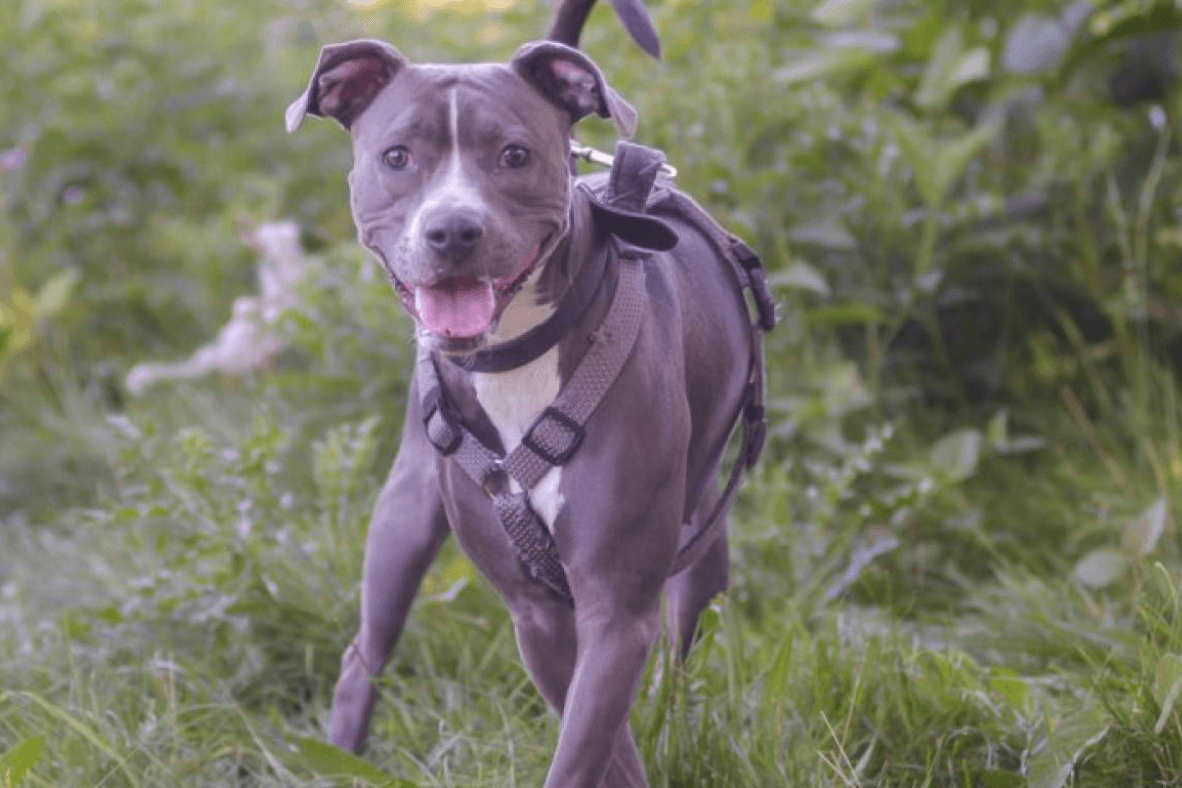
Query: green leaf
x=827, y=233
x=917, y=148
x=936, y=85
x=875, y=41
x=450, y=579
x=1023, y=444
x=776, y=687
x=1052, y=763
x=1101, y=567
x=87, y=732
x=955, y=455
x=330, y=761
x=844, y=314
x=801, y=276
x=819, y=63
x=997, y=437
x=1120, y=21
x=1167, y=687
x=1014, y=689
x=997, y=434
x=973, y=66
x=952, y=158
x=19, y=760
x=761, y=12
x=997, y=778
x=1142, y=533
x=842, y=13
x=55, y=294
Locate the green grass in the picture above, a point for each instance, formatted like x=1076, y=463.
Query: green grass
x=170, y=634
x=932, y=584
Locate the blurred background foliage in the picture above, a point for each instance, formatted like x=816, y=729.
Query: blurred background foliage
x=970, y=213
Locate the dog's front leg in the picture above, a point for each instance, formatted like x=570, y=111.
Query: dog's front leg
x=406, y=530
x=618, y=561
x=613, y=645
x=547, y=637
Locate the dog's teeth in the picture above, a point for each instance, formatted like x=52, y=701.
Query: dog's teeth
x=418, y=300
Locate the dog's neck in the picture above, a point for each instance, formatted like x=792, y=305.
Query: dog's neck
x=526, y=311
x=554, y=277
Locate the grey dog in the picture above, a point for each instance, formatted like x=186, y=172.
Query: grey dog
x=462, y=189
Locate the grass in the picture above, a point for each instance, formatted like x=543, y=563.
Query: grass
x=171, y=634
x=979, y=593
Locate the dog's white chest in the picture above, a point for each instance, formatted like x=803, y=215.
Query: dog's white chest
x=514, y=399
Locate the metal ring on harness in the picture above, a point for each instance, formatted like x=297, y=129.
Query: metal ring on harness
x=496, y=480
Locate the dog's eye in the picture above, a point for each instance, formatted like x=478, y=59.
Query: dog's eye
x=397, y=158
x=514, y=157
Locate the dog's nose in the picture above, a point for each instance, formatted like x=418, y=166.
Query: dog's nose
x=454, y=234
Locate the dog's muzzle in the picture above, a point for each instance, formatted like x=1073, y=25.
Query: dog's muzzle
x=461, y=310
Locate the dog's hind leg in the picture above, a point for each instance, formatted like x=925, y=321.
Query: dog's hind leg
x=689, y=592
x=405, y=533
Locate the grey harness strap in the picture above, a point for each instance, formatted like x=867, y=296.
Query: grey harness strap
x=558, y=431
x=553, y=437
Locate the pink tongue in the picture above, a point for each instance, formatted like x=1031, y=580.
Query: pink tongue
x=457, y=308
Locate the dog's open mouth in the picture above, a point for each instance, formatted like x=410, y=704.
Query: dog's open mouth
x=461, y=307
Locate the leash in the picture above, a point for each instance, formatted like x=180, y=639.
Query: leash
x=593, y=156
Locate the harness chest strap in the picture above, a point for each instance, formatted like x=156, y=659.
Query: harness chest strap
x=555, y=434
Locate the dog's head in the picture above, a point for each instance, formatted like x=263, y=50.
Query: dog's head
x=460, y=183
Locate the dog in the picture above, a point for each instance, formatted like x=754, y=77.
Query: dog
x=462, y=188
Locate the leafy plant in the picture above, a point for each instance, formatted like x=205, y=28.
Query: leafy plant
x=16, y=763
x=24, y=314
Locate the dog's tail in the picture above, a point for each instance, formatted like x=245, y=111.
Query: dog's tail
x=568, y=23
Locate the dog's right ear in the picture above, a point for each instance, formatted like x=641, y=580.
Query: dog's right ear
x=346, y=79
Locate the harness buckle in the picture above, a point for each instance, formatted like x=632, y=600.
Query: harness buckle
x=442, y=434
x=561, y=430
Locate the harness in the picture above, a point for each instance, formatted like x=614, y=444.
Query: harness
x=629, y=207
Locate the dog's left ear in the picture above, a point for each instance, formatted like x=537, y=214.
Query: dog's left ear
x=572, y=81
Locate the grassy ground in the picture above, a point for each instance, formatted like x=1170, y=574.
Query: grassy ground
x=185, y=626
x=187, y=633
x=931, y=587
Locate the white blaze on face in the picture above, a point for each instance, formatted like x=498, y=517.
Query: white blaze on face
x=456, y=189
x=461, y=306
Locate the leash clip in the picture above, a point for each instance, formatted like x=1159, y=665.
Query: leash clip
x=592, y=156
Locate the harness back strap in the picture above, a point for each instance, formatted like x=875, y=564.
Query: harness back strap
x=636, y=164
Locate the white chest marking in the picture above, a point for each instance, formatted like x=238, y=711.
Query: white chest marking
x=513, y=399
